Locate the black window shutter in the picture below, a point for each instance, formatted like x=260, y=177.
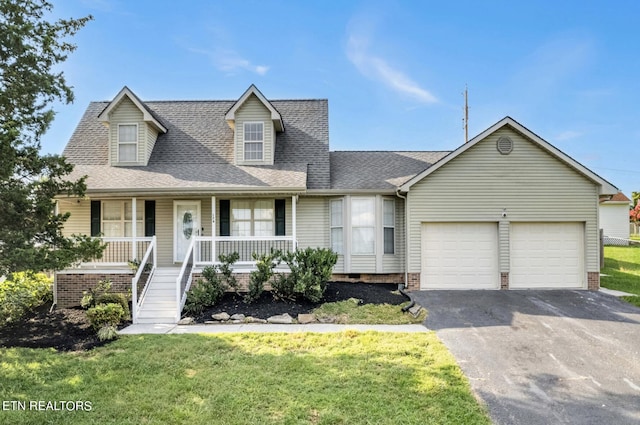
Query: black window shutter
x=280, y=217
x=149, y=218
x=95, y=218
x=225, y=217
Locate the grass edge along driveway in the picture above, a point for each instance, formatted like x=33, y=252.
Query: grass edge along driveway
x=302, y=378
x=622, y=271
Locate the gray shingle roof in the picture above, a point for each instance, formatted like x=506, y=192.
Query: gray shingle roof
x=378, y=170
x=197, y=150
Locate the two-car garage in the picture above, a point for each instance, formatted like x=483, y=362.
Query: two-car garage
x=466, y=255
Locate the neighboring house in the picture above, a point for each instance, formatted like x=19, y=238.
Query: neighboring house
x=613, y=215
x=185, y=181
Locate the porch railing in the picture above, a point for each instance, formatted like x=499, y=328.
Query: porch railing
x=183, y=282
x=140, y=281
x=207, y=252
x=120, y=251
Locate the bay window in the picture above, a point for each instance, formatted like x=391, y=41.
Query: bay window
x=388, y=225
x=363, y=226
x=337, y=239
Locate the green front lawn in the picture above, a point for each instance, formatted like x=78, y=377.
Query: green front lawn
x=622, y=267
x=301, y=378
x=350, y=311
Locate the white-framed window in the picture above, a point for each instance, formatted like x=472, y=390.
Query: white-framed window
x=117, y=219
x=363, y=232
x=252, y=217
x=388, y=225
x=337, y=226
x=253, y=141
x=127, y=142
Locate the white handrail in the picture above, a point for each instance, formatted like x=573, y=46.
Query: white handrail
x=136, y=279
x=185, y=262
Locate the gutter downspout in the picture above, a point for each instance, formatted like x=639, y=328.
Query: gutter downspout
x=406, y=239
x=406, y=255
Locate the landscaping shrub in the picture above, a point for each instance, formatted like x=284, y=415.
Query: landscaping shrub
x=311, y=269
x=225, y=269
x=105, y=314
x=265, y=263
x=105, y=318
x=215, y=281
x=23, y=292
x=201, y=295
x=90, y=295
x=116, y=298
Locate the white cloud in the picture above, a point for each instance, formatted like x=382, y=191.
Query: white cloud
x=230, y=61
x=568, y=135
x=378, y=69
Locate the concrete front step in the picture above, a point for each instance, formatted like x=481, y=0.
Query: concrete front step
x=159, y=304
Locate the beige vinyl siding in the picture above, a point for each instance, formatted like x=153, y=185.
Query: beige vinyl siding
x=164, y=231
x=313, y=226
x=531, y=184
x=152, y=136
x=363, y=263
x=127, y=113
x=394, y=263
x=79, y=223
x=254, y=111
x=313, y=222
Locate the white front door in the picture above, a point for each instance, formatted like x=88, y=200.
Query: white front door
x=186, y=225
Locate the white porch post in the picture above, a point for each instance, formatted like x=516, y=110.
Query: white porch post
x=134, y=229
x=213, y=229
x=294, y=201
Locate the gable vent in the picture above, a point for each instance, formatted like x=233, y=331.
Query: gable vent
x=504, y=145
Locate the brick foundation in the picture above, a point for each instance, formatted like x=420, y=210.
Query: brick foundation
x=504, y=280
x=396, y=278
x=593, y=281
x=70, y=286
x=413, y=281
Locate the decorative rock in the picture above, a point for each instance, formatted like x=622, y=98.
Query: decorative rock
x=211, y=322
x=220, y=317
x=236, y=322
x=326, y=319
x=306, y=318
x=281, y=319
x=237, y=317
x=250, y=319
x=186, y=321
x=415, y=310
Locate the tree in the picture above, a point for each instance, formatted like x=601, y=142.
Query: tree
x=634, y=213
x=30, y=230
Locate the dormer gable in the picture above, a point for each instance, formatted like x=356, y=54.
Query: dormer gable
x=255, y=122
x=133, y=130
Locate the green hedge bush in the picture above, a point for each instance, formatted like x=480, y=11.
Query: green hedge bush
x=23, y=292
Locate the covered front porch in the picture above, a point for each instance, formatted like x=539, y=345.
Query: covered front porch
x=170, y=240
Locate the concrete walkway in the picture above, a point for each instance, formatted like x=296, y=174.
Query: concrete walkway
x=257, y=327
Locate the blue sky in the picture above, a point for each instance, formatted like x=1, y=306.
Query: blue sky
x=393, y=71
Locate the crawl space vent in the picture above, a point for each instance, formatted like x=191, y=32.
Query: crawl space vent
x=504, y=145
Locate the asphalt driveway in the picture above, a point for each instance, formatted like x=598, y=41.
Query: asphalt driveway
x=543, y=357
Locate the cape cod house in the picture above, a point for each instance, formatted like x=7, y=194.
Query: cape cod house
x=173, y=184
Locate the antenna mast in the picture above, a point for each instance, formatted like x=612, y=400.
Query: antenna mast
x=466, y=115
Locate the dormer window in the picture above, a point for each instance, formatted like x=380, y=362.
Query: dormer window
x=127, y=142
x=253, y=141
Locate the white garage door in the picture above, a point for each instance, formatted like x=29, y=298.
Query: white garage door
x=547, y=255
x=459, y=256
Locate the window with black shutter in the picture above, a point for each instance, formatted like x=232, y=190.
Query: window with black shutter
x=280, y=217
x=95, y=218
x=225, y=217
x=149, y=218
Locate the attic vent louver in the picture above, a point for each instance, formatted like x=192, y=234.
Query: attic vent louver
x=504, y=145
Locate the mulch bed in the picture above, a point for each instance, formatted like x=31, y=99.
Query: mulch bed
x=68, y=329
x=266, y=306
